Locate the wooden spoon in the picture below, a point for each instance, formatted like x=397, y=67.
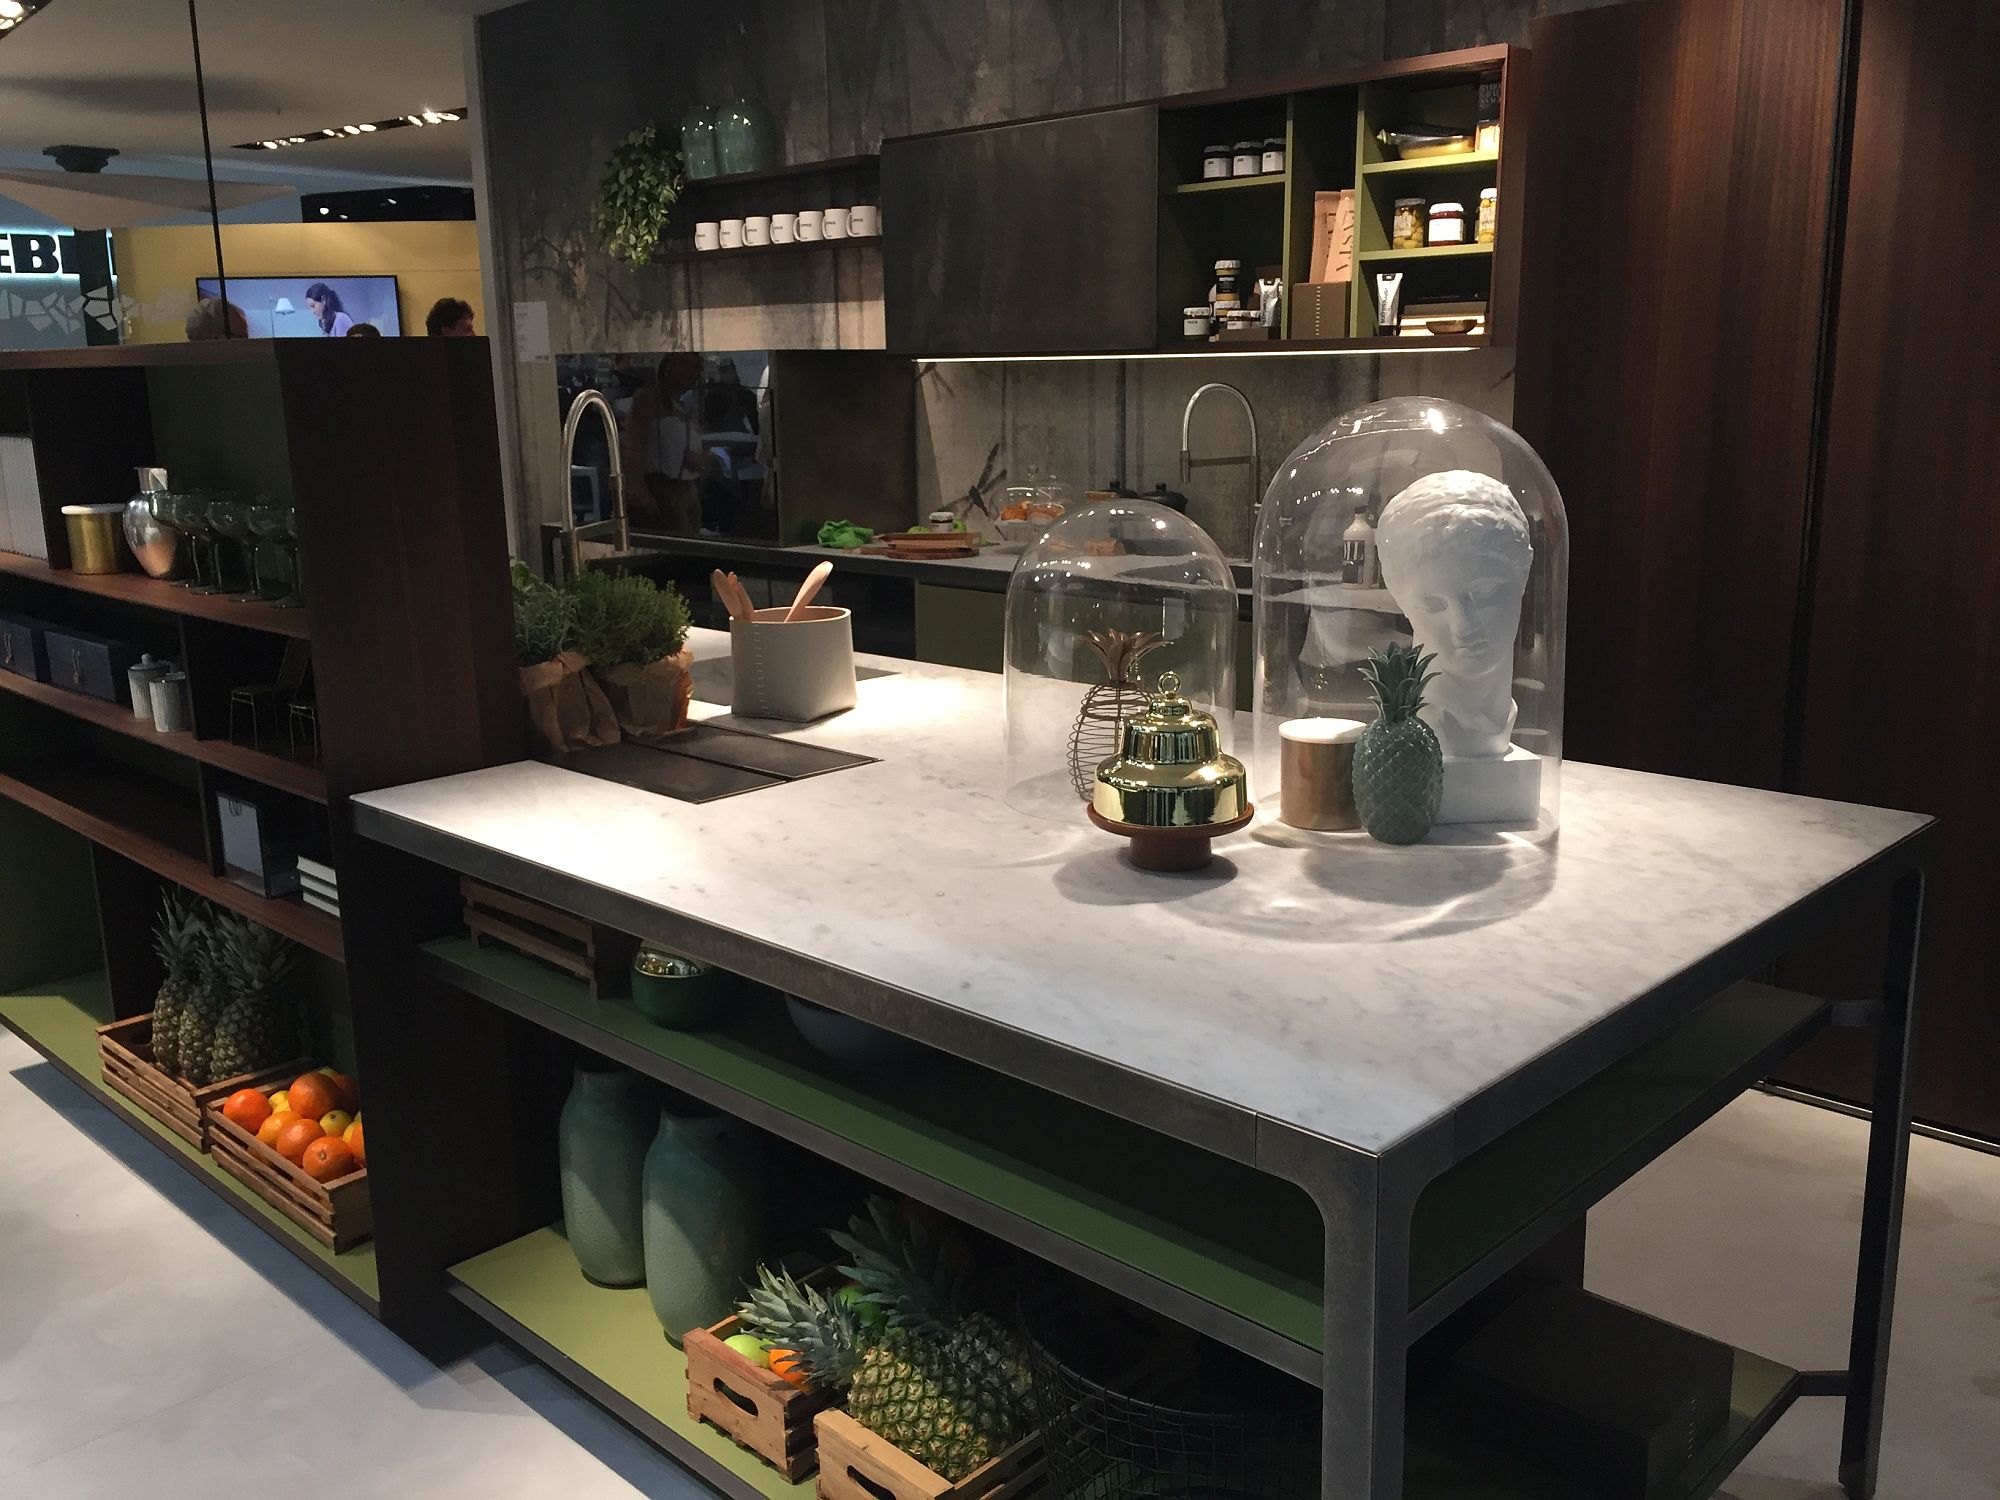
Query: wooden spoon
x=720, y=585
x=818, y=576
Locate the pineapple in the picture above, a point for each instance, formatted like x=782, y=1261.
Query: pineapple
x=826, y=1333
x=178, y=937
x=201, y=1007
x=1398, y=764
x=255, y=1028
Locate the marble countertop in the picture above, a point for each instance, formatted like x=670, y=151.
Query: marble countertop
x=1345, y=988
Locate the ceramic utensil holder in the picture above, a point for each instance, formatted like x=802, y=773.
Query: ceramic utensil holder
x=797, y=671
x=173, y=708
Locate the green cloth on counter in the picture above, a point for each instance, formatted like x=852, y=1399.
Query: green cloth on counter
x=844, y=535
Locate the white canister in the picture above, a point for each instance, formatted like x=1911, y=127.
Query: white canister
x=757, y=230
x=811, y=222
x=833, y=224
x=784, y=228
x=173, y=709
x=864, y=220
x=797, y=671
x=707, y=235
x=732, y=234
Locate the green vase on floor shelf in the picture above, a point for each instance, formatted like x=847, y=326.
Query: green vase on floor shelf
x=608, y=1124
x=704, y=1216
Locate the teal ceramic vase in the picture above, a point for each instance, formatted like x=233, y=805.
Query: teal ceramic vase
x=608, y=1123
x=698, y=141
x=743, y=139
x=704, y=1215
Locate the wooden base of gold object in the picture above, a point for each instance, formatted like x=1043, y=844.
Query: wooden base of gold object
x=1171, y=848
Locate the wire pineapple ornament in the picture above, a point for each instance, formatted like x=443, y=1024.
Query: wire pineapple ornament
x=1098, y=732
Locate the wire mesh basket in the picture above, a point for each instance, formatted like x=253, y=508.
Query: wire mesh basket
x=1135, y=1406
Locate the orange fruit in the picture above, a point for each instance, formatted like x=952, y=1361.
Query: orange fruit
x=785, y=1365
x=345, y=1086
x=352, y=1135
x=312, y=1095
x=327, y=1158
x=247, y=1109
x=276, y=1121
x=295, y=1137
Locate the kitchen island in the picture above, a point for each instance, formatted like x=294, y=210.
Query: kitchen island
x=1310, y=1101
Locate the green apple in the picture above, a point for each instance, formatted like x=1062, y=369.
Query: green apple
x=750, y=1347
x=870, y=1312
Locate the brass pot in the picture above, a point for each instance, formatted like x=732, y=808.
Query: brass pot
x=1170, y=789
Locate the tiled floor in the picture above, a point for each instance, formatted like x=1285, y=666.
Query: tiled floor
x=153, y=1344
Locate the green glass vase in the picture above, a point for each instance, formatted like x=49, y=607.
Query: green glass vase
x=607, y=1127
x=704, y=1215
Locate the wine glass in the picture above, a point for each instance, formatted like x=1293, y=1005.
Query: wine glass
x=169, y=507
x=297, y=597
x=191, y=511
x=270, y=524
x=230, y=517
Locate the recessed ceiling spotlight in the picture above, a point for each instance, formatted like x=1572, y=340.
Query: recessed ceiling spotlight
x=366, y=128
x=335, y=132
x=326, y=210
x=12, y=10
x=8, y=23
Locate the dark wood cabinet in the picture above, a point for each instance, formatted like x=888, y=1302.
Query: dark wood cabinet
x=1023, y=239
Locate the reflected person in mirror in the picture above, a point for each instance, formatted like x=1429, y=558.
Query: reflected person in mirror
x=1455, y=554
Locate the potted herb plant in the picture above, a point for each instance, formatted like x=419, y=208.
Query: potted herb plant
x=566, y=709
x=634, y=634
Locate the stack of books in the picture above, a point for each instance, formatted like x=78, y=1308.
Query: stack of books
x=320, y=886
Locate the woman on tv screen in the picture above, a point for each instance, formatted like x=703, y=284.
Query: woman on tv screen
x=325, y=304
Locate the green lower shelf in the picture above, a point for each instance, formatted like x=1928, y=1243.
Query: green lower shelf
x=609, y=1344
x=60, y=1021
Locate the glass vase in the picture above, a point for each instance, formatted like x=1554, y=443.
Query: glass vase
x=608, y=1124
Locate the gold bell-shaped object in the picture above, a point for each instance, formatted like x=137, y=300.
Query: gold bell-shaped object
x=1170, y=789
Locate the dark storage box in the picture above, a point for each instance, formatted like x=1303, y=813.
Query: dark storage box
x=1618, y=1401
x=87, y=663
x=260, y=842
x=23, y=648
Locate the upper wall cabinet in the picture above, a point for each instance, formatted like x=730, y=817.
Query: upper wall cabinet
x=1023, y=239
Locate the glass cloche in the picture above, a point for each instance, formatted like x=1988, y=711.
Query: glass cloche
x=1418, y=519
x=1112, y=596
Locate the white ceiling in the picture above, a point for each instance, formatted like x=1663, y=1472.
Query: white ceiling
x=120, y=73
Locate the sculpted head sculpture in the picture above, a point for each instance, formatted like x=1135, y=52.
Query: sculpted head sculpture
x=1455, y=554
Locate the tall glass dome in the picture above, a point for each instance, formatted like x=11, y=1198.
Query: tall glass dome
x=1420, y=520
x=1113, y=595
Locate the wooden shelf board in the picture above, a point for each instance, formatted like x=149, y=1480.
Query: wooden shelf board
x=151, y=593
x=277, y=771
x=142, y=356
x=1429, y=252
x=1230, y=184
x=797, y=247
x=790, y=169
x=1464, y=161
x=1376, y=344
x=121, y=812
x=606, y=1342
x=60, y=1021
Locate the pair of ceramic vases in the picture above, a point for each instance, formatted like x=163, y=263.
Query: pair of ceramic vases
x=658, y=1190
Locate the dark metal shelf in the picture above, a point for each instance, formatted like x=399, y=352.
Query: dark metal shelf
x=797, y=247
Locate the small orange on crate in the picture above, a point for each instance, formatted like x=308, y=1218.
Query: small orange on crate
x=276, y=1121
x=785, y=1365
x=247, y=1108
x=312, y=1095
x=327, y=1159
x=355, y=1142
x=295, y=1137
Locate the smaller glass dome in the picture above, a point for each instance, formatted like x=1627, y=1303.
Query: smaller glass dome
x=1420, y=520
x=1113, y=595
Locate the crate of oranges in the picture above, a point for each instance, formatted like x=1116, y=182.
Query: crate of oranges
x=302, y=1150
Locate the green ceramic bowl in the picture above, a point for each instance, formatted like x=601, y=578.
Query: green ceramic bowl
x=679, y=993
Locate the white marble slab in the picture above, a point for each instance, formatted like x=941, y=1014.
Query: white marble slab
x=1341, y=986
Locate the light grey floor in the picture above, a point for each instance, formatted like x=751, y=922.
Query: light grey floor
x=153, y=1344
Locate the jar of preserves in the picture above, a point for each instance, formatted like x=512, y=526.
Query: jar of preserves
x=1227, y=292
x=1447, y=224
x=1215, y=161
x=1248, y=159
x=1406, y=226
x=1274, y=154
x=1488, y=227
x=1198, y=322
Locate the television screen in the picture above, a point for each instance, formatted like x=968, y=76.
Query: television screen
x=281, y=307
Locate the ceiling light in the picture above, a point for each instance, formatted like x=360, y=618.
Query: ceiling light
x=8, y=23
x=326, y=210
x=366, y=128
x=335, y=132
x=449, y=115
x=12, y=10
x=352, y=129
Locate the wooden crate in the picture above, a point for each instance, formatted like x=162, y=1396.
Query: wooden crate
x=857, y=1464
x=600, y=956
x=338, y=1214
x=125, y=1059
x=761, y=1410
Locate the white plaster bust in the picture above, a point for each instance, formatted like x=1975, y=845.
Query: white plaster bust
x=1455, y=554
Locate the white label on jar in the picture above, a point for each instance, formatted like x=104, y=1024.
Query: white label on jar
x=1246, y=166
x=1447, y=231
x=1215, y=166
x=1274, y=161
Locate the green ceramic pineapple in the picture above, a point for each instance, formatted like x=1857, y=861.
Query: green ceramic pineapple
x=255, y=1028
x=178, y=937
x=1398, y=763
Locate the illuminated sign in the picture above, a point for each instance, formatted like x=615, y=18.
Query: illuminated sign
x=35, y=252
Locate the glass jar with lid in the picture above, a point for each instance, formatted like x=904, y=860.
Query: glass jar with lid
x=1406, y=226
x=1488, y=227
x=1227, y=293
x=1274, y=154
x=1446, y=224
x=1216, y=161
x=1248, y=159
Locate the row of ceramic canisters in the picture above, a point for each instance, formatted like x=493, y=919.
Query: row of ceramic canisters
x=863, y=221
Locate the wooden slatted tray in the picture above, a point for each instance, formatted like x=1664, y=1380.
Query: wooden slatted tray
x=760, y=1409
x=598, y=955
x=125, y=1058
x=857, y=1464
x=338, y=1214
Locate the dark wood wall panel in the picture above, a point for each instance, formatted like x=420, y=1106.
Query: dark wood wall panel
x=1675, y=230
x=1902, y=701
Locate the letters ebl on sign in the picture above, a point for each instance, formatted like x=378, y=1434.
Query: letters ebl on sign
x=34, y=252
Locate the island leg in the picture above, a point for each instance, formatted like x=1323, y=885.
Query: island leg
x=1882, y=1207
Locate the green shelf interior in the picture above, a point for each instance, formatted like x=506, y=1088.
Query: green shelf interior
x=611, y=1333
x=1468, y=162
x=60, y=1021
x=1429, y=252
x=1231, y=184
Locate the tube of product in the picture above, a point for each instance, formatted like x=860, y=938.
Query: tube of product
x=1388, y=300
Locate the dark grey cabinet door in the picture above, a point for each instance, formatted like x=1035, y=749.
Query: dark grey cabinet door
x=1032, y=238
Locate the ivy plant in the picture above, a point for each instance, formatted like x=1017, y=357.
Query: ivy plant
x=641, y=183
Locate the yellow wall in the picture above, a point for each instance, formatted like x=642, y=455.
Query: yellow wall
x=157, y=267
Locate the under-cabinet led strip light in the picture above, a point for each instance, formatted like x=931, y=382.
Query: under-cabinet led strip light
x=1414, y=347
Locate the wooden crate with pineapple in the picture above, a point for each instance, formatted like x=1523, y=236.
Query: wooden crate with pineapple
x=760, y=1409
x=921, y=1396
x=217, y=1025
